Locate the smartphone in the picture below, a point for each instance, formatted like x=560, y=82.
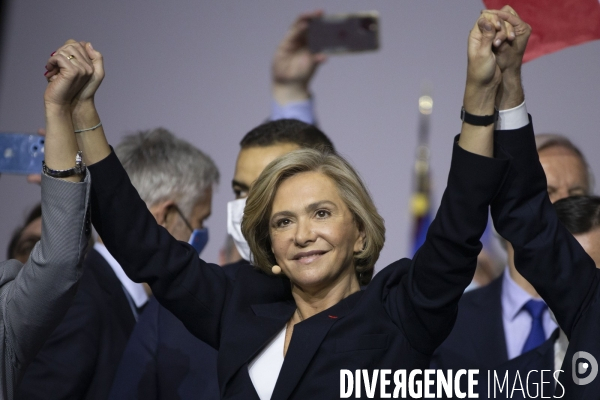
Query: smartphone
x=21, y=153
x=344, y=33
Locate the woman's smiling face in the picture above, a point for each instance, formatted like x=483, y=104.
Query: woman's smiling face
x=313, y=233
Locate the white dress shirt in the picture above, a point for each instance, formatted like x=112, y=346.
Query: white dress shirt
x=513, y=118
x=135, y=291
x=264, y=369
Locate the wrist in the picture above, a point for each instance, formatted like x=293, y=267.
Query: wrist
x=57, y=110
x=286, y=93
x=480, y=100
x=510, y=94
x=81, y=107
x=84, y=114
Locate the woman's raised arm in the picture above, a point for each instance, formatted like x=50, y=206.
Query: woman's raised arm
x=426, y=298
x=190, y=288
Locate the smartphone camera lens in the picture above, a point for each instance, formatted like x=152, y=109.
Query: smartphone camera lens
x=35, y=148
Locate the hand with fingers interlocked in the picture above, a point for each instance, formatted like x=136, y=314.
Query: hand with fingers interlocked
x=509, y=53
x=483, y=70
x=85, y=56
x=484, y=80
x=497, y=44
x=509, y=57
x=69, y=69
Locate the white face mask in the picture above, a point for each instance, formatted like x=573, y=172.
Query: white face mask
x=235, y=212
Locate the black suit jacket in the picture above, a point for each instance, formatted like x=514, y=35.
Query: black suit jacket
x=80, y=358
x=527, y=368
x=163, y=360
x=530, y=375
x=396, y=323
x=550, y=258
x=477, y=340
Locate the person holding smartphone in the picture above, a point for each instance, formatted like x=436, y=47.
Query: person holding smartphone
x=34, y=296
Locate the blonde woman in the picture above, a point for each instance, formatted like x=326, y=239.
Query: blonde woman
x=286, y=328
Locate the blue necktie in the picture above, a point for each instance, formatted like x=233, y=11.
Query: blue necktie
x=536, y=336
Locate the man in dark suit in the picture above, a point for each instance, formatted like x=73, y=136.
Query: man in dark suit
x=551, y=259
x=545, y=252
x=581, y=216
x=162, y=359
x=80, y=358
x=480, y=337
x=496, y=323
x=526, y=370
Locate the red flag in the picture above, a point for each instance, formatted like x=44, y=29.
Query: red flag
x=555, y=24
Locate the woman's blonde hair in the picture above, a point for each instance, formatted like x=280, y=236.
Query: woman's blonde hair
x=255, y=224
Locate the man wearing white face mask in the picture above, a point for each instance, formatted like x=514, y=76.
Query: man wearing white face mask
x=259, y=147
x=292, y=114
x=80, y=359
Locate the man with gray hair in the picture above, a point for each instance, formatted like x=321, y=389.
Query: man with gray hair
x=174, y=179
x=80, y=358
x=494, y=323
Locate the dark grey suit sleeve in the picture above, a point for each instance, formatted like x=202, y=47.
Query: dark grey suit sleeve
x=40, y=294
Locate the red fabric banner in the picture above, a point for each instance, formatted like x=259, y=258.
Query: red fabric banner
x=555, y=24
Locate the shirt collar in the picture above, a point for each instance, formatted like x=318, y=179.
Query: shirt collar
x=514, y=297
x=135, y=290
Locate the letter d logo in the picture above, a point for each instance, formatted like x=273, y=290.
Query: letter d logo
x=582, y=368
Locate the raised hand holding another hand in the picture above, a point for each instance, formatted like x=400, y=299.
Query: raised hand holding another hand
x=69, y=69
x=509, y=57
x=483, y=78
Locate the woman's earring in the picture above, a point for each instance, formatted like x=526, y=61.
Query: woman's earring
x=276, y=269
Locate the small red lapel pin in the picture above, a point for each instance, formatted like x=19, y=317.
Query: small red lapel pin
x=332, y=317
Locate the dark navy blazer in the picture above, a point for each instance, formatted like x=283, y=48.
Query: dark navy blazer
x=549, y=257
x=477, y=340
x=396, y=323
x=80, y=358
x=525, y=369
x=163, y=360
x=519, y=378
